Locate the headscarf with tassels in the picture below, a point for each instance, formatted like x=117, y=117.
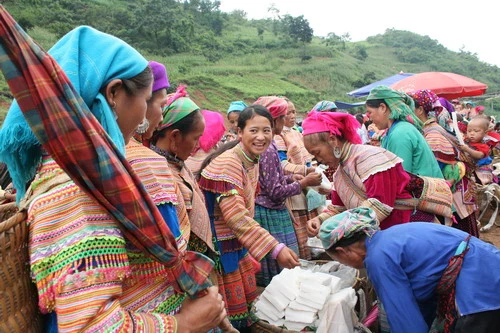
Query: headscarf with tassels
x=401, y=105
x=277, y=106
x=178, y=106
x=340, y=124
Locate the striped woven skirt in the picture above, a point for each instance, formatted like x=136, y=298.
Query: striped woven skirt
x=300, y=222
x=239, y=290
x=280, y=226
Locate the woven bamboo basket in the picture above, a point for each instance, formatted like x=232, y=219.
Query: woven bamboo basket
x=264, y=327
x=18, y=297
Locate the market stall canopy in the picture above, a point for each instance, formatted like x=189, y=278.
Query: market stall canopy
x=444, y=84
x=346, y=105
x=364, y=91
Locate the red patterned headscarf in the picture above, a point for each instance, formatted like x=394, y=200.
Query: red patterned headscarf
x=277, y=106
x=340, y=124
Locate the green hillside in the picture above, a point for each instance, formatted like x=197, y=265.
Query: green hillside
x=224, y=56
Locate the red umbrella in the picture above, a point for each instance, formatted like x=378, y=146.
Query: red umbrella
x=448, y=85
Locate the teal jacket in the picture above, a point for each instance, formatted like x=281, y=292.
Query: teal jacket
x=404, y=140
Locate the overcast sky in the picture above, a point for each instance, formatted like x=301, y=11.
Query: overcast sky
x=474, y=24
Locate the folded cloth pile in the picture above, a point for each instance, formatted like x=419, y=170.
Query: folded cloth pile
x=295, y=296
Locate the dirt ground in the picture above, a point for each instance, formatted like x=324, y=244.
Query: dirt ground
x=493, y=235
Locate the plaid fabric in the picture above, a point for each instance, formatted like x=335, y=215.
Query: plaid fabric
x=346, y=224
x=447, y=311
x=64, y=126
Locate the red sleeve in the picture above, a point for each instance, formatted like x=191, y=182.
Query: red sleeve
x=482, y=147
x=386, y=186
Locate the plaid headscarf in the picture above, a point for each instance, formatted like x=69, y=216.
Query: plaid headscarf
x=340, y=124
x=178, y=106
x=401, y=105
x=346, y=224
x=67, y=130
x=426, y=99
x=324, y=106
x=277, y=106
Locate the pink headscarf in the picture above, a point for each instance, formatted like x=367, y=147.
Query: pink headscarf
x=277, y=106
x=214, y=129
x=340, y=124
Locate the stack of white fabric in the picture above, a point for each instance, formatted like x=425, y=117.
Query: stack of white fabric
x=294, y=298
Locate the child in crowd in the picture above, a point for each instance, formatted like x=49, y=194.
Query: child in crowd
x=476, y=131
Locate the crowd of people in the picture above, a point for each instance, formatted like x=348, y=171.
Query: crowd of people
x=241, y=198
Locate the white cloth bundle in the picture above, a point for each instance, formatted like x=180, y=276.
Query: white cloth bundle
x=295, y=298
x=336, y=316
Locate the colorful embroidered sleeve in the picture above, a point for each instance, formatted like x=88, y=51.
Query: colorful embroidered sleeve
x=290, y=168
x=257, y=240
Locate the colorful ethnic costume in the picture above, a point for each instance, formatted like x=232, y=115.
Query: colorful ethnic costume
x=423, y=272
x=92, y=236
x=200, y=235
x=370, y=177
x=230, y=184
x=444, y=147
x=270, y=209
x=295, y=159
x=417, y=256
x=77, y=250
x=404, y=139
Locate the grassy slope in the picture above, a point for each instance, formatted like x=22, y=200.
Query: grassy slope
x=328, y=75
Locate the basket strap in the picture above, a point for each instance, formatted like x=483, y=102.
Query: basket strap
x=32, y=193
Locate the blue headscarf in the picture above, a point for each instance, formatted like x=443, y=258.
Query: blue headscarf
x=236, y=106
x=91, y=59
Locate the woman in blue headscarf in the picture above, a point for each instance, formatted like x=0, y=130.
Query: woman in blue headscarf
x=79, y=258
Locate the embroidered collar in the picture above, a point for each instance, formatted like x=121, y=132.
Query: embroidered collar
x=247, y=160
x=170, y=158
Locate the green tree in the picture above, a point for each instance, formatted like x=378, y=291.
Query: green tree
x=297, y=28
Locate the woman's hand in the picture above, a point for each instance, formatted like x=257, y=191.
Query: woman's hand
x=297, y=177
x=312, y=179
x=202, y=314
x=313, y=227
x=324, y=191
x=287, y=258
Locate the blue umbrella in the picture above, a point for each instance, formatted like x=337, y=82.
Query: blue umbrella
x=364, y=91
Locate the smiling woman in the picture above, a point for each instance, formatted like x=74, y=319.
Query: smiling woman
x=229, y=183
